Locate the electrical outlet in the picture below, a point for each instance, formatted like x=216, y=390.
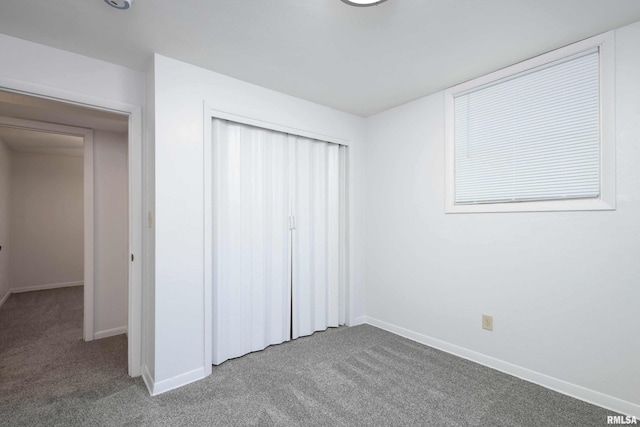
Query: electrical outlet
x=487, y=322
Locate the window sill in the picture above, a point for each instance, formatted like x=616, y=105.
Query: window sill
x=543, y=206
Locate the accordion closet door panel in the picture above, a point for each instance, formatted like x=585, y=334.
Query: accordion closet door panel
x=251, y=269
x=278, y=253
x=316, y=285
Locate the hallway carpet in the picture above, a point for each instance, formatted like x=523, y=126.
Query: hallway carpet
x=358, y=376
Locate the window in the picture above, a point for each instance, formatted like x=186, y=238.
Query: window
x=536, y=136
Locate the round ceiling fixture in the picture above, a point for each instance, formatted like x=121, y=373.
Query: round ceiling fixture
x=119, y=4
x=363, y=3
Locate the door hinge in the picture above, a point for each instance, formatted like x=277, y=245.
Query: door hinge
x=131, y=257
x=292, y=222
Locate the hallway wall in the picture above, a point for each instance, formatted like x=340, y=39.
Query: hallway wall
x=46, y=220
x=111, y=269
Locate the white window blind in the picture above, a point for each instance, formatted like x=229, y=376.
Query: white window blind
x=532, y=136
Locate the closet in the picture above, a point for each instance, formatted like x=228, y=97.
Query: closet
x=278, y=237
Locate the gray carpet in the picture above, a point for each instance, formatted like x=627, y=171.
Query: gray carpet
x=359, y=376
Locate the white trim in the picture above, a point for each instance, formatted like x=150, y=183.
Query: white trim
x=174, y=382
x=349, y=292
x=5, y=297
x=273, y=126
x=38, y=288
x=135, y=205
x=136, y=227
x=89, y=238
x=110, y=333
x=345, y=311
x=607, y=199
x=608, y=119
x=45, y=287
x=208, y=243
x=148, y=379
x=555, y=384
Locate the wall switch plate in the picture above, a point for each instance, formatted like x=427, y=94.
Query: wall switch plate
x=487, y=322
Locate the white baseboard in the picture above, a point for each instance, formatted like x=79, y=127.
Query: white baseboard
x=174, y=382
x=109, y=333
x=148, y=379
x=45, y=287
x=5, y=297
x=573, y=390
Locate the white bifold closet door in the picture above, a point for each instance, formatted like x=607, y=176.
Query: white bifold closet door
x=278, y=220
x=316, y=238
x=251, y=241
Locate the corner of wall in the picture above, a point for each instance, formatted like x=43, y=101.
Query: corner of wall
x=148, y=379
x=4, y=298
x=148, y=297
x=156, y=388
x=5, y=202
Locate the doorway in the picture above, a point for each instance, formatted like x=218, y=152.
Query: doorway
x=41, y=114
x=41, y=210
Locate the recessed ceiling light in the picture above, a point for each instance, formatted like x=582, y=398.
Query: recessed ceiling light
x=363, y=3
x=119, y=4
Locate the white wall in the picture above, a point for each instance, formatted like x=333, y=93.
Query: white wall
x=57, y=71
x=562, y=286
x=46, y=220
x=111, y=234
x=5, y=186
x=180, y=91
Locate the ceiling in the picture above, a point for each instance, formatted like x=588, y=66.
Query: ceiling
x=31, y=108
x=29, y=141
x=361, y=60
x=50, y=111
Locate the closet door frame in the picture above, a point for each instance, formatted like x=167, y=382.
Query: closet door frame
x=208, y=116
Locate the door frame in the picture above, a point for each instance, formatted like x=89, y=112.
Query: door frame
x=136, y=220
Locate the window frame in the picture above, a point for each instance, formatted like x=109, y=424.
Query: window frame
x=606, y=200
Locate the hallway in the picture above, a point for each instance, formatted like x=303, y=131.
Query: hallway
x=43, y=358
